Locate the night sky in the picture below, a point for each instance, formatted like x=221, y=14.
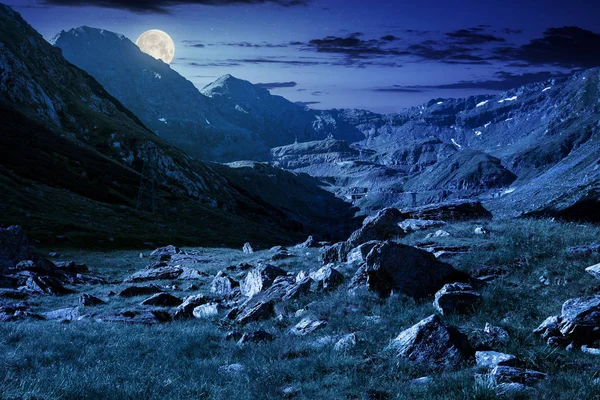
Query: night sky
x=376, y=55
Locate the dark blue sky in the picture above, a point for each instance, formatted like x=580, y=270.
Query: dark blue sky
x=378, y=55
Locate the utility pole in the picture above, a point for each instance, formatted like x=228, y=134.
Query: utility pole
x=147, y=195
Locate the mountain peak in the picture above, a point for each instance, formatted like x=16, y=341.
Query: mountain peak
x=230, y=86
x=88, y=33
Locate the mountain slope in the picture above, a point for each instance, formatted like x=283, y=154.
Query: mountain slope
x=72, y=155
x=230, y=120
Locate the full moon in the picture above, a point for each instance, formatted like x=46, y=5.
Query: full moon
x=158, y=44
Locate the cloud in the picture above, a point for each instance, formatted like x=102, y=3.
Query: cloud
x=352, y=46
x=163, y=6
x=276, y=85
x=307, y=103
x=399, y=89
x=474, y=36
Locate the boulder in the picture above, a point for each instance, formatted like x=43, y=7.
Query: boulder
x=186, y=309
x=64, y=314
x=133, y=291
x=414, y=225
x=506, y=374
x=456, y=298
x=46, y=285
x=207, y=310
x=450, y=211
x=491, y=359
x=14, y=247
x=432, y=342
x=87, y=300
x=260, y=279
x=158, y=271
x=405, y=269
x=309, y=243
x=298, y=289
x=133, y=316
x=308, y=325
x=71, y=267
x=258, y=312
x=255, y=337
x=224, y=286
x=247, y=249
x=579, y=323
x=438, y=234
x=494, y=336
x=359, y=254
x=162, y=300
x=336, y=252
x=594, y=271
x=382, y=226
x=480, y=230
x=327, y=278
x=281, y=255
x=165, y=252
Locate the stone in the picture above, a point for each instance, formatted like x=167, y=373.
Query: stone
x=159, y=271
x=495, y=335
x=309, y=243
x=590, y=350
x=432, y=342
x=336, y=253
x=260, y=279
x=450, y=211
x=258, y=312
x=281, y=255
x=224, y=286
x=491, y=359
x=64, y=314
x=207, y=310
x=169, y=251
x=414, y=225
x=456, y=298
x=327, y=278
x=405, y=269
x=14, y=247
x=133, y=316
x=247, y=249
x=438, y=234
x=583, y=251
x=300, y=288
x=506, y=374
x=308, y=325
x=87, y=300
x=232, y=369
x=186, y=309
x=594, y=271
x=579, y=322
x=382, y=226
x=255, y=337
x=72, y=267
x=162, y=300
x=359, y=254
x=46, y=285
x=345, y=343
x=133, y=291
x=480, y=230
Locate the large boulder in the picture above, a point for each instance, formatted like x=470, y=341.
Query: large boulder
x=451, y=211
x=14, y=247
x=578, y=323
x=456, y=298
x=165, y=252
x=359, y=254
x=327, y=278
x=224, y=286
x=258, y=312
x=162, y=300
x=382, y=226
x=405, y=269
x=186, y=309
x=336, y=252
x=260, y=279
x=432, y=342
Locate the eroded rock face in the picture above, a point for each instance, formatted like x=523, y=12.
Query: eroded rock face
x=400, y=268
x=456, y=298
x=579, y=323
x=432, y=342
x=382, y=226
x=14, y=247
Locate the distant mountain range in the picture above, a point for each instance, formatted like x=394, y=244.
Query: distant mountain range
x=73, y=159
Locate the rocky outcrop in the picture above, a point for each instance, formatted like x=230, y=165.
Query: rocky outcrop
x=450, y=211
x=224, y=286
x=456, y=298
x=578, y=323
x=382, y=226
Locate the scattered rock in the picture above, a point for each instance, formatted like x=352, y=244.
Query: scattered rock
x=451, y=211
x=308, y=325
x=255, y=337
x=158, y=271
x=146, y=317
x=258, y=312
x=133, y=291
x=345, y=343
x=430, y=341
x=169, y=251
x=281, y=255
x=186, y=309
x=336, y=252
x=260, y=279
x=72, y=267
x=162, y=300
x=400, y=268
x=491, y=359
x=486, y=274
x=496, y=335
x=456, y=298
x=309, y=243
x=46, y=285
x=300, y=288
x=414, y=225
x=64, y=314
x=590, y=350
x=515, y=389
x=437, y=234
x=224, y=286
x=480, y=230
x=359, y=254
x=327, y=278
x=247, y=249
x=207, y=310
x=382, y=226
x=506, y=374
x=579, y=322
x=594, y=271
x=87, y=300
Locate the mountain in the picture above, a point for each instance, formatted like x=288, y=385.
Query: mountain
x=228, y=120
x=74, y=159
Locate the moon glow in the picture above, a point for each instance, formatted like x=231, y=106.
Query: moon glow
x=158, y=44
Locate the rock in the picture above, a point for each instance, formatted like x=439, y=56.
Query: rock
x=594, y=271
x=336, y=253
x=414, y=225
x=247, y=249
x=281, y=255
x=309, y=243
x=307, y=325
x=579, y=322
x=186, y=309
x=359, y=254
x=169, y=251
x=327, y=278
x=260, y=279
x=133, y=316
x=255, y=337
x=72, y=267
x=277, y=249
x=158, y=271
x=590, y=350
x=64, y=314
x=582, y=251
x=224, y=286
x=345, y=343
x=480, y=230
x=207, y=310
x=133, y=291
x=505, y=374
x=46, y=285
x=437, y=234
x=87, y=300
x=14, y=247
x=451, y=211
x=400, y=268
x=162, y=300
x=190, y=274
x=491, y=359
x=232, y=369
x=456, y=298
x=496, y=336
x=300, y=288
x=258, y=312
x=485, y=273
x=430, y=341
x=382, y=226
x=360, y=278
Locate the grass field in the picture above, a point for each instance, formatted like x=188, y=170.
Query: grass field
x=180, y=360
